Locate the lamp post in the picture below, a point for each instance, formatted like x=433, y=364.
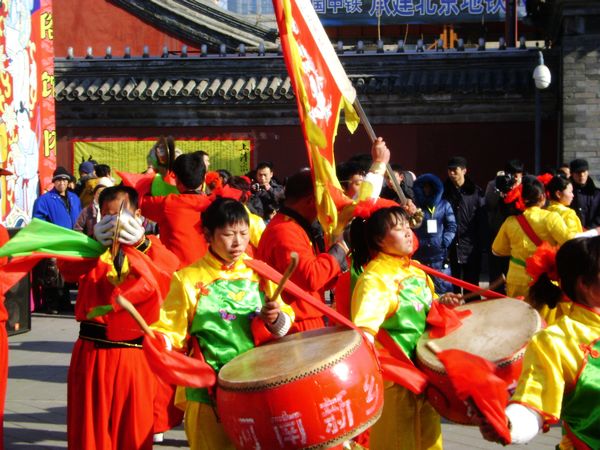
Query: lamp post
x=542, y=79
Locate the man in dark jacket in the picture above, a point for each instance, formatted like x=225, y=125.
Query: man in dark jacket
x=268, y=194
x=467, y=201
x=438, y=229
x=586, y=201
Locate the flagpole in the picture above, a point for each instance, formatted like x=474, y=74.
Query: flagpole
x=371, y=132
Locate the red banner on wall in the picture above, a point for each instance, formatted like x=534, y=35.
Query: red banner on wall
x=27, y=127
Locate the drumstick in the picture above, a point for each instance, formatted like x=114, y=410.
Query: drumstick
x=128, y=306
x=435, y=349
x=287, y=274
x=493, y=286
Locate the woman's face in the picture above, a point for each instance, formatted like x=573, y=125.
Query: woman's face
x=398, y=240
x=229, y=242
x=589, y=294
x=565, y=197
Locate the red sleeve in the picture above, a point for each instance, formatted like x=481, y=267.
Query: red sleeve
x=153, y=207
x=3, y=240
x=314, y=272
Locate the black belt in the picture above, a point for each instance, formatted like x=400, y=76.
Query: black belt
x=96, y=333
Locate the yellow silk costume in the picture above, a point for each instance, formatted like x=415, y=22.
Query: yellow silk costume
x=408, y=421
x=568, y=215
x=512, y=241
x=189, y=287
x=553, y=361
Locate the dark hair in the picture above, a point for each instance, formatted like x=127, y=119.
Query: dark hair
x=102, y=170
x=111, y=193
x=265, y=165
x=576, y=258
x=223, y=212
x=397, y=167
x=533, y=189
x=299, y=186
x=366, y=235
x=363, y=159
x=346, y=170
x=224, y=174
x=557, y=183
x=98, y=186
x=514, y=166
x=190, y=170
x=241, y=183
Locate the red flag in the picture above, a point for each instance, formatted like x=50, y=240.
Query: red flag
x=142, y=182
x=474, y=377
x=177, y=369
x=322, y=89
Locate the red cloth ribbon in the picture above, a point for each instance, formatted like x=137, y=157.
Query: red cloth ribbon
x=365, y=208
x=475, y=378
x=516, y=195
x=542, y=261
x=444, y=320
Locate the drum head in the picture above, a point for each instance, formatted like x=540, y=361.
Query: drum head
x=290, y=358
x=496, y=330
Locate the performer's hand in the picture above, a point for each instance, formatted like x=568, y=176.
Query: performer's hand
x=104, y=230
x=270, y=311
x=379, y=151
x=451, y=299
x=131, y=232
x=486, y=429
x=409, y=207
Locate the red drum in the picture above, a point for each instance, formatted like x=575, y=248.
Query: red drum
x=498, y=330
x=313, y=389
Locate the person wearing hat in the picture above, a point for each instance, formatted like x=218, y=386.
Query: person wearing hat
x=86, y=172
x=60, y=207
x=586, y=200
x=467, y=201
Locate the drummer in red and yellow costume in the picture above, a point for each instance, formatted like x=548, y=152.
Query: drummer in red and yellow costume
x=3, y=341
x=392, y=296
x=561, y=367
x=219, y=302
x=110, y=385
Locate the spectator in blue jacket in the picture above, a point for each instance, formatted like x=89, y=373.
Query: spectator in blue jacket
x=60, y=207
x=438, y=228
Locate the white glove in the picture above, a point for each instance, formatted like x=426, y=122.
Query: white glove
x=104, y=230
x=131, y=231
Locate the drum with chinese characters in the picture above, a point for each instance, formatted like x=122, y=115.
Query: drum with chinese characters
x=313, y=389
x=498, y=330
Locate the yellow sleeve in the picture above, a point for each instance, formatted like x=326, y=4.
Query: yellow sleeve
x=501, y=245
x=269, y=289
x=177, y=311
x=257, y=226
x=572, y=221
x=557, y=228
x=372, y=300
x=542, y=381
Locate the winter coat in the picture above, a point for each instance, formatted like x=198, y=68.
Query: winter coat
x=433, y=246
x=467, y=203
x=51, y=208
x=586, y=203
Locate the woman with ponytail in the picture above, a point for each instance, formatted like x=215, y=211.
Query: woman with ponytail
x=561, y=368
x=390, y=302
x=521, y=234
x=560, y=195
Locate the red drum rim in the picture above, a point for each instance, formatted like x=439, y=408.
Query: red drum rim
x=498, y=313
x=261, y=367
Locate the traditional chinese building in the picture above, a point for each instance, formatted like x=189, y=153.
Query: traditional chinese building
x=205, y=75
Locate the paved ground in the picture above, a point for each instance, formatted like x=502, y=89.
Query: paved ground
x=35, y=414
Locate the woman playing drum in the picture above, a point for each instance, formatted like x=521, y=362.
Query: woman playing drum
x=561, y=369
x=214, y=301
x=393, y=296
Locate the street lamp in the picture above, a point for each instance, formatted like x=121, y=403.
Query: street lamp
x=542, y=79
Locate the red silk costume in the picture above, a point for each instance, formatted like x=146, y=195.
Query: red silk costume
x=3, y=345
x=282, y=236
x=111, y=389
x=178, y=219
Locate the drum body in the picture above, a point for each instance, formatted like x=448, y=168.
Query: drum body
x=497, y=330
x=313, y=389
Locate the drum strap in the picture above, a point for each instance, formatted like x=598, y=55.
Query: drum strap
x=526, y=227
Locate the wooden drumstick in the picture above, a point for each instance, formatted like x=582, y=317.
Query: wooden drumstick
x=128, y=306
x=287, y=274
x=493, y=286
x=435, y=349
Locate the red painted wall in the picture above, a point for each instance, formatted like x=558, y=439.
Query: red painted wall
x=99, y=24
x=420, y=148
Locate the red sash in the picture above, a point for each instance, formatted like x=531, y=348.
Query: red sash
x=528, y=230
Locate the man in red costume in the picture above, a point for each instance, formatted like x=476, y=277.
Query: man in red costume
x=111, y=388
x=290, y=231
x=178, y=215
